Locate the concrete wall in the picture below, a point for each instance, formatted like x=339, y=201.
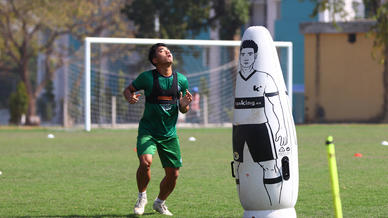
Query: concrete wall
x=264, y=13
x=343, y=83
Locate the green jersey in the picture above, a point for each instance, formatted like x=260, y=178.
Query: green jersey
x=159, y=120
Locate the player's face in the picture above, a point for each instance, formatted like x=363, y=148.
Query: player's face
x=163, y=55
x=247, y=57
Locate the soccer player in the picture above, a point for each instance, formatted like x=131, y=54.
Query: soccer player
x=166, y=92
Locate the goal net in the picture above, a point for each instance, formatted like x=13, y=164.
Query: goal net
x=94, y=96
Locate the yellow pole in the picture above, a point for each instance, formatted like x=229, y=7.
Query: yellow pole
x=334, y=176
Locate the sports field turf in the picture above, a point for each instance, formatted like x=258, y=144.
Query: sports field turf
x=93, y=174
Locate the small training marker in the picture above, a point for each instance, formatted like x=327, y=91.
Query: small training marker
x=358, y=155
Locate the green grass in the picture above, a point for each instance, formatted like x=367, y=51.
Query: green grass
x=93, y=174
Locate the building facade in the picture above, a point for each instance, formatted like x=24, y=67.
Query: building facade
x=343, y=82
x=293, y=12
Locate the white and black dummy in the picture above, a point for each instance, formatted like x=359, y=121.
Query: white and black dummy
x=264, y=140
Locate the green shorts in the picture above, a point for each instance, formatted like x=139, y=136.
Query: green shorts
x=168, y=149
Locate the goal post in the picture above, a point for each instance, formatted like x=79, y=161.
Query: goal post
x=170, y=42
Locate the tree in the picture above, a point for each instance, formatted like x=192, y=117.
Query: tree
x=178, y=19
x=185, y=19
x=378, y=11
x=18, y=103
x=29, y=28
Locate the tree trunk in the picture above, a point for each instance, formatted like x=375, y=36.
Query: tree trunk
x=32, y=119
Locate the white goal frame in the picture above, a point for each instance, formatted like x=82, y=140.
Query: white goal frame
x=144, y=41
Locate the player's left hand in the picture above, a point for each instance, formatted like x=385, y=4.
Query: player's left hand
x=185, y=100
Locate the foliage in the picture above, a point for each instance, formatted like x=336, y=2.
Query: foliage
x=46, y=103
x=29, y=28
x=18, y=103
x=185, y=19
x=336, y=7
x=380, y=32
x=8, y=83
x=232, y=15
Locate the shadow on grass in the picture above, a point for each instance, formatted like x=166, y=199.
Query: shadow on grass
x=96, y=216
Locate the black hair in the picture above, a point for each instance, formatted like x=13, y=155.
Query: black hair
x=249, y=44
x=151, y=53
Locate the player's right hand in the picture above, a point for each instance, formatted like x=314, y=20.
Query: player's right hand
x=131, y=97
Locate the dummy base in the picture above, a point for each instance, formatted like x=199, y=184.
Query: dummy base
x=280, y=213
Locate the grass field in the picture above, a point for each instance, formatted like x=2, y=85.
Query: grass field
x=93, y=174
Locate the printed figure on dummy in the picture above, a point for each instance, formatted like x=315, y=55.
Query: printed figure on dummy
x=262, y=145
x=264, y=140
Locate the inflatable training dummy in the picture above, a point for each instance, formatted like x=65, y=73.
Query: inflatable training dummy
x=264, y=140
